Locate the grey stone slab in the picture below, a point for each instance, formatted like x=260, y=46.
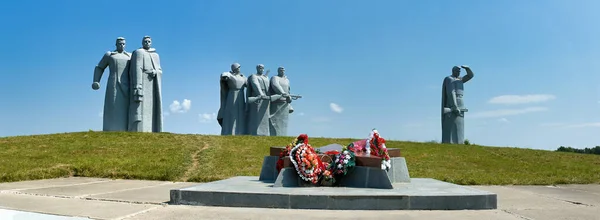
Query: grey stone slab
x=70, y=207
x=367, y=177
x=570, y=213
x=515, y=199
x=287, y=177
x=473, y=202
x=590, y=188
x=565, y=194
x=268, y=172
x=152, y=194
x=248, y=190
x=21, y=215
x=212, y=212
x=398, y=173
x=93, y=188
x=329, y=147
x=33, y=184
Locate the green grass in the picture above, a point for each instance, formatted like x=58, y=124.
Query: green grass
x=201, y=158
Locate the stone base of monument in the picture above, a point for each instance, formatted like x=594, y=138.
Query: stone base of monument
x=368, y=187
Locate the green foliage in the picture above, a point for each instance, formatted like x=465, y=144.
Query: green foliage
x=201, y=158
x=595, y=150
x=467, y=142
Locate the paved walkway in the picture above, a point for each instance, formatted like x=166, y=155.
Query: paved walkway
x=93, y=198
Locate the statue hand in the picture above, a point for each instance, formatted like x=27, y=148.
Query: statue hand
x=152, y=73
x=465, y=67
x=285, y=95
x=95, y=85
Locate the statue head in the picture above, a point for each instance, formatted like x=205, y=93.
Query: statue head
x=280, y=71
x=235, y=68
x=146, y=42
x=455, y=71
x=120, y=43
x=260, y=69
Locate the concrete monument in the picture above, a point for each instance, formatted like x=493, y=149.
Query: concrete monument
x=453, y=107
x=280, y=108
x=258, y=102
x=232, y=114
x=116, y=100
x=146, y=96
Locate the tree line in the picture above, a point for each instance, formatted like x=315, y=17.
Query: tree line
x=595, y=150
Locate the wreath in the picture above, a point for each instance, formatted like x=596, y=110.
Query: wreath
x=306, y=161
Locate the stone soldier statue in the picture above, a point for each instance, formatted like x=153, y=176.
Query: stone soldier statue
x=258, y=102
x=116, y=100
x=453, y=107
x=281, y=108
x=232, y=113
x=146, y=95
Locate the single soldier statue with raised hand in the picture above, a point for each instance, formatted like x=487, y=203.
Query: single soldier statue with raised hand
x=453, y=107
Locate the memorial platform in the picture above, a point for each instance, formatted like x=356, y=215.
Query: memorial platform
x=367, y=187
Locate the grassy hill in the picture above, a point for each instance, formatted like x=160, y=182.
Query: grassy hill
x=200, y=158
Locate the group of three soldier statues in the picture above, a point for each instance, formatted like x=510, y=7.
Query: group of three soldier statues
x=248, y=106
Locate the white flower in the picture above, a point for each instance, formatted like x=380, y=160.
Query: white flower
x=339, y=166
x=383, y=166
x=345, y=152
x=345, y=161
x=337, y=160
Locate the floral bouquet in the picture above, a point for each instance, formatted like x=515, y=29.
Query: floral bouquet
x=306, y=161
x=374, y=145
x=300, y=139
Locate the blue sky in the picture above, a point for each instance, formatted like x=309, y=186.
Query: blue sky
x=381, y=64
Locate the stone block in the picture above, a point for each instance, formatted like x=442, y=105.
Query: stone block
x=398, y=173
x=268, y=172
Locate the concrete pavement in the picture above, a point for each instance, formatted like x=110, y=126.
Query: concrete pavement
x=97, y=198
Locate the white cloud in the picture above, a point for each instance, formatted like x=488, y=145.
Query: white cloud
x=166, y=113
x=208, y=117
x=183, y=107
x=521, y=99
x=584, y=125
x=336, y=108
x=503, y=120
x=506, y=112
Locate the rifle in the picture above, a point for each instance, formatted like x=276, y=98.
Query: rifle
x=272, y=98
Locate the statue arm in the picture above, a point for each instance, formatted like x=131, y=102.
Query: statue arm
x=136, y=75
x=99, y=69
x=469, y=75
x=223, y=95
x=158, y=66
x=276, y=86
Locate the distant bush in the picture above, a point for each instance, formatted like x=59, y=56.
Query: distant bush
x=467, y=142
x=595, y=150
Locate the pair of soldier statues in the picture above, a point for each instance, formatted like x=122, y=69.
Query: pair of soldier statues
x=255, y=105
x=133, y=100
